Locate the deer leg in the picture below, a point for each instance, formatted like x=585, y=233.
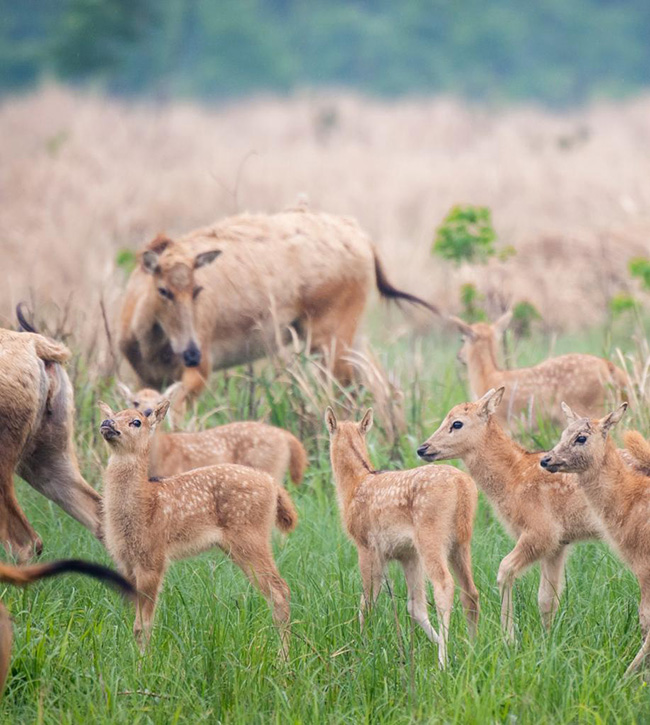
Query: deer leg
x=372, y=573
x=147, y=583
x=461, y=564
x=417, y=595
x=527, y=551
x=551, y=584
x=16, y=533
x=435, y=565
x=6, y=638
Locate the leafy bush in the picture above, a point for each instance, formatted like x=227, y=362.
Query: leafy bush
x=466, y=235
x=523, y=315
x=640, y=267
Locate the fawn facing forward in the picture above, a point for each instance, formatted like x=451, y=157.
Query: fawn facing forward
x=149, y=524
x=422, y=518
x=248, y=443
x=542, y=515
x=619, y=495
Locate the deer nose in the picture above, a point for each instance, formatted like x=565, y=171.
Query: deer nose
x=545, y=461
x=147, y=412
x=422, y=450
x=192, y=355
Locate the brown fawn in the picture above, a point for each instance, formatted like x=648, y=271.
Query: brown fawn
x=619, y=495
x=21, y=576
x=422, y=518
x=148, y=524
x=248, y=443
x=536, y=391
x=542, y=515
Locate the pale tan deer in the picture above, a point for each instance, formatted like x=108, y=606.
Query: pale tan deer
x=21, y=576
x=536, y=392
x=619, y=496
x=422, y=518
x=229, y=293
x=36, y=437
x=248, y=443
x=542, y=515
x=147, y=524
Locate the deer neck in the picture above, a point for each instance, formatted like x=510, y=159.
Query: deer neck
x=482, y=366
x=159, y=447
x=604, y=486
x=351, y=465
x=125, y=484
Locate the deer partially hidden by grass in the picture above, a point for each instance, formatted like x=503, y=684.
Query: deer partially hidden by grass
x=585, y=381
x=619, y=495
x=248, y=443
x=21, y=576
x=422, y=518
x=149, y=524
x=545, y=515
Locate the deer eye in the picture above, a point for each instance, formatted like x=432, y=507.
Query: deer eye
x=136, y=423
x=166, y=293
x=457, y=424
x=581, y=440
x=197, y=291
x=136, y=405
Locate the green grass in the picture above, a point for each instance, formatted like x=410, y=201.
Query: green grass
x=213, y=658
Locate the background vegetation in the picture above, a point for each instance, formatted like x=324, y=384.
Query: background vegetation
x=554, y=51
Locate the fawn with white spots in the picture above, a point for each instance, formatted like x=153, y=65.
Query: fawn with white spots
x=543, y=514
x=619, y=495
x=422, y=518
x=149, y=524
x=248, y=443
x=582, y=380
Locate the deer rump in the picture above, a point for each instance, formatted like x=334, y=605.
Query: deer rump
x=311, y=272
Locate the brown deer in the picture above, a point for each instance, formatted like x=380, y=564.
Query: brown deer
x=542, y=515
x=618, y=495
x=21, y=576
x=231, y=292
x=247, y=443
x=422, y=518
x=36, y=438
x=536, y=392
x=149, y=524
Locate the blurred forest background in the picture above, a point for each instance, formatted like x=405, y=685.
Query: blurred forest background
x=560, y=52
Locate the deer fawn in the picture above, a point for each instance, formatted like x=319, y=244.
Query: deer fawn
x=583, y=380
x=247, y=443
x=149, y=524
x=543, y=516
x=21, y=576
x=422, y=518
x=618, y=495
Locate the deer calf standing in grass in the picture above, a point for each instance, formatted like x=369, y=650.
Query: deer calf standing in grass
x=247, y=443
x=422, y=518
x=543, y=514
x=583, y=380
x=147, y=524
x=619, y=495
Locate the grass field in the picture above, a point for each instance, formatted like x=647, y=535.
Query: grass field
x=213, y=652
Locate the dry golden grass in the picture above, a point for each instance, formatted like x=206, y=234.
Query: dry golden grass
x=83, y=176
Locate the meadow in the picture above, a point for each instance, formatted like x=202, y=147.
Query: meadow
x=213, y=655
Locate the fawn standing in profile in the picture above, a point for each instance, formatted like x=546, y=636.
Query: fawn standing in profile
x=583, y=380
x=544, y=515
x=618, y=495
x=422, y=518
x=247, y=443
x=149, y=524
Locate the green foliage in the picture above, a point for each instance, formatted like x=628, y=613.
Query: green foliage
x=621, y=303
x=559, y=52
x=126, y=260
x=466, y=235
x=471, y=300
x=640, y=268
x=523, y=315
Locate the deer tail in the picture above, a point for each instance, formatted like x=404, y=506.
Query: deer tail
x=286, y=516
x=297, y=459
x=638, y=447
x=387, y=290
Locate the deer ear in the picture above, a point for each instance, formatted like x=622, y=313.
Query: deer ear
x=464, y=328
x=501, y=325
x=172, y=391
x=366, y=422
x=125, y=392
x=150, y=261
x=106, y=410
x=205, y=258
x=488, y=404
x=159, y=413
x=330, y=419
x=569, y=414
x=609, y=421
